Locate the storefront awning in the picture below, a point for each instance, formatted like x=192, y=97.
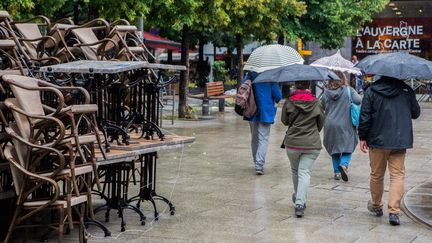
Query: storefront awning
x=158, y=42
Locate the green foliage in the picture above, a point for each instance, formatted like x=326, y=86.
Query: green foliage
x=219, y=71
x=89, y=9
x=260, y=18
x=116, y=9
x=328, y=22
x=192, y=85
x=22, y=9
x=231, y=82
x=201, y=16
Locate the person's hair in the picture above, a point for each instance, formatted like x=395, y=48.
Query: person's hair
x=302, y=85
x=335, y=84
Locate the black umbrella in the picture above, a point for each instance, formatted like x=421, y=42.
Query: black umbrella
x=400, y=65
x=296, y=72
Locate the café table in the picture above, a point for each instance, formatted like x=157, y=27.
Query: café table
x=114, y=85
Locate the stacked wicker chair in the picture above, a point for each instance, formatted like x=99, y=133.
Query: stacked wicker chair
x=49, y=135
x=92, y=39
x=40, y=41
x=35, y=49
x=53, y=146
x=131, y=46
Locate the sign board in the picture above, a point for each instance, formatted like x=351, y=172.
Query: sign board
x=394, y=34
x=300, y=49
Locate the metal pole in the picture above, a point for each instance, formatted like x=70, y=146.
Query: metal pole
x=140, y=23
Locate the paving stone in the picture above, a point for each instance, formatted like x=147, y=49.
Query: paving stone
x=219, y=198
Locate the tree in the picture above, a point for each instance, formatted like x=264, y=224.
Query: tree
x=21, y=9
x=115, y=9
x=259, y=19
x=109, y=9
x=329, y=22
x=184, y=18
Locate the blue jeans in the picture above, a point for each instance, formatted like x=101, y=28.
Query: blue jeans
x=341, y=159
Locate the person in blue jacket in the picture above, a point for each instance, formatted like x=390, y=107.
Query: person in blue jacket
x=267, y=95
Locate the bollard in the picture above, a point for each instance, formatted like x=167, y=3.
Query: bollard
x=221, y=105
x=205, y=107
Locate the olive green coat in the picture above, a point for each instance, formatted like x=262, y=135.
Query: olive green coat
x=303, y=132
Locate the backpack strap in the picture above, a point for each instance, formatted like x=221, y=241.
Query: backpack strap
x=349, y=94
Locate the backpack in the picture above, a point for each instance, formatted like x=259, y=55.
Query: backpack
x=245, y=100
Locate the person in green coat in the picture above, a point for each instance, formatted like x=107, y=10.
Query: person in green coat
x=304, y=116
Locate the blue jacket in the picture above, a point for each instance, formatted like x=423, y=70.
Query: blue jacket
x=267, y=95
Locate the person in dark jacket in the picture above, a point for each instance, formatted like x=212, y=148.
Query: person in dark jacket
x=304, y=116
x=267, y=95
x=388, y=107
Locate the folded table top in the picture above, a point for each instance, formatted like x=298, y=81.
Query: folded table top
x=106, y=67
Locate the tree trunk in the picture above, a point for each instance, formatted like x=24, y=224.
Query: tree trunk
x=201, y=50
x=230, y=63
x=184, y=75
x=239, y=45
x=281, y=39
x=77, y=8
x=170, y=58
x=201, y=67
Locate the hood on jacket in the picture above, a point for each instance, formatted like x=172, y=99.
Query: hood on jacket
x=389, y=87
x=334, y=94
x=304, y=100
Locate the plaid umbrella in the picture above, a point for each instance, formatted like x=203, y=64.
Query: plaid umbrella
x=272, y=56
x=337, y=62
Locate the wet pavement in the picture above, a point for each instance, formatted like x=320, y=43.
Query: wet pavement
x=219, y=198
x=418, y=203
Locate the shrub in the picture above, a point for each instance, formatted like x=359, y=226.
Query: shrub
x=219, y=71
x=231, y=82
x=192, y=85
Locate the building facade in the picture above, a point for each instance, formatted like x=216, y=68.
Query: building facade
x=401, y=26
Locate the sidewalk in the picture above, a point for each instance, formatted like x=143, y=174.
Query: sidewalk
x=219, y=198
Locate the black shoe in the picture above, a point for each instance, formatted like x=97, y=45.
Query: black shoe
x=344, y=173
x=377, y=212
x=299, y=210
x=293, y=197
x=394, y=219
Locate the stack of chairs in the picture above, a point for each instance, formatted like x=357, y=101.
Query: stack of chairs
x=35, y=51
x=49, y=135
x=40, y=41
x=53, y=154
x=93, y=47
x=132, y=47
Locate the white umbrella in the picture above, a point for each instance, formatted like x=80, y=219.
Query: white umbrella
x=337, y=62
x=272, y=56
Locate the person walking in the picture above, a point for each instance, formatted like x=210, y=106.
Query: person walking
x=358, y=79
x=304, y=116
x=340, y=136
x=267, y=95
x=385, y=129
